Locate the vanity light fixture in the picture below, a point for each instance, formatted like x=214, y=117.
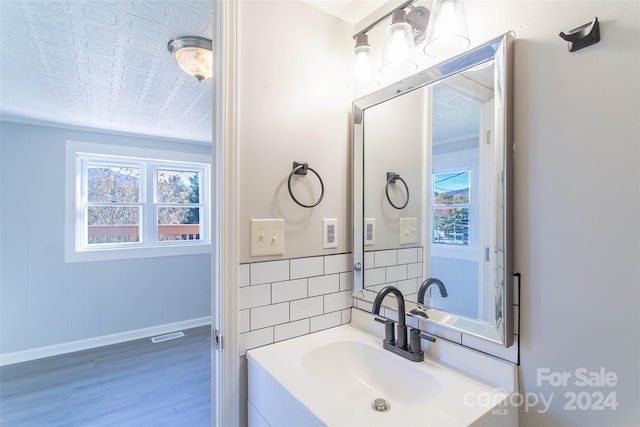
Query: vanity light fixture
x=362, y=67
x=397, y=57
x=448, y=34
x=445, y=30
x=194, y=55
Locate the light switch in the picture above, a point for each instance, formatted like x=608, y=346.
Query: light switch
x=267, y=237
x=408, y=231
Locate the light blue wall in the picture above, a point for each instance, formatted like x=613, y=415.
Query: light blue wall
x=461, y=277
x=45, y=301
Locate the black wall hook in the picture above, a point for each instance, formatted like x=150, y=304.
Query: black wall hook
x=583, y=36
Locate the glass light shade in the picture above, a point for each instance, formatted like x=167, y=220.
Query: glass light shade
x=195, y=61
x=193, y=55
x=447, y=32
x=362, y=67
x=397, y=57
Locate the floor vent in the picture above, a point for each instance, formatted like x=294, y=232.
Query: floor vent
x=167, y=337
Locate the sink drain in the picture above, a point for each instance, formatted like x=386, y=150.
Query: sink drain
x=380, y=405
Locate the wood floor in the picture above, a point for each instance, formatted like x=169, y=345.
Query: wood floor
x=135, y=384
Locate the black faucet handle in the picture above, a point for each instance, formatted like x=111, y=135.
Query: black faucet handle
x=389, y=333
x=415, y=345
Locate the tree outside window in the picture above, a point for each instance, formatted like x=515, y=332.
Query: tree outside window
x=451, y=208
x=125, y=202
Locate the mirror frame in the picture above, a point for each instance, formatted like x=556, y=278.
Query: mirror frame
x=500, y=49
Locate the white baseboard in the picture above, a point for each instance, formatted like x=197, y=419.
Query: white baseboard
x=69, y=347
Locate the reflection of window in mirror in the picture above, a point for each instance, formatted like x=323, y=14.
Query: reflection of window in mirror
x=456, y=197
x=451, y=208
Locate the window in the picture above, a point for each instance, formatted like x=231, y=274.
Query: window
x=129, y=207
x=451, y=208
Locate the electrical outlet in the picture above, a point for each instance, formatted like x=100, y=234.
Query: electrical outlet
x=408, y=231
x=329, y=233
x=267, y=237
x=369, y=231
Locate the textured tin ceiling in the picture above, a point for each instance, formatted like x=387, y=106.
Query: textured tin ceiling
x=104, y=64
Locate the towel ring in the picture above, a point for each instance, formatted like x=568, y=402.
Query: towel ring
x=392, y=177
x=301, y=169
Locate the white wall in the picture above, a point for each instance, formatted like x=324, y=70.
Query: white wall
x=45, y=301
x=577, y=173
x=294, y=104
x=577, y=199
x=395, y=143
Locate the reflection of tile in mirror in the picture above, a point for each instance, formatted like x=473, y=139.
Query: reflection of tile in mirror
x=369, y=231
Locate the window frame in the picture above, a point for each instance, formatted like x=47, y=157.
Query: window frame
x=448, y=163
x=81, y=154
x=436, y=206
x=202, y=197
x=83, y=162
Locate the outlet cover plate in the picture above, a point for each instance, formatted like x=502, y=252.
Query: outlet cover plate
x=329, y=233
x=267, y=237
x=369, y=231
x=408, y=231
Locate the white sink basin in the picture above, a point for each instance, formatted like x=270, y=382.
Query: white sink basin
x=332, y=378
x=360, y=373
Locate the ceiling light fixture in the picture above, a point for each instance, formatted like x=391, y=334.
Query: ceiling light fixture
x=445, y=30
x=194, y=55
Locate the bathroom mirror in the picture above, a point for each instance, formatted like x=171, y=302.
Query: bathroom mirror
x=432, y=191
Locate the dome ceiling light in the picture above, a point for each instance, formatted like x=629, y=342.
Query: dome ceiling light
x=194, y=55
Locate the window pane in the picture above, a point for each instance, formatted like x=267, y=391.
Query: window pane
x=176, y=223
x=451, y=188
x=113, y=184
x=113, y=224
x=451, y=226
x=178, y=186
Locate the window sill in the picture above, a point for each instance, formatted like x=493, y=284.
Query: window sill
x=132, y=253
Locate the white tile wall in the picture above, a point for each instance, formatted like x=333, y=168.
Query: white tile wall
x=306, y=267
x=243, y=275
x=324, y=284
x=397, y=267
x=306, y=307
x=283, y=299
x=511, y=354
x=272, y=271
x=408, y=255
x=289, y=290
x=337, y=263
x=253, y=296
x=326, y=321
x=384, y=258
x=346, y=281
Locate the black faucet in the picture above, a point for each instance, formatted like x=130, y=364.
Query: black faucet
x=377, y=303
x=426, y=284
x=413, y=351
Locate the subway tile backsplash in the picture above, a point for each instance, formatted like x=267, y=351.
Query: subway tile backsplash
x=397, y=267
x=284, y=299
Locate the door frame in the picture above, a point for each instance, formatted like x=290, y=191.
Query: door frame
x=225, y=387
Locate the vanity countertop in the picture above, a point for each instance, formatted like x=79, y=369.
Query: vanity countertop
x=335, y=375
